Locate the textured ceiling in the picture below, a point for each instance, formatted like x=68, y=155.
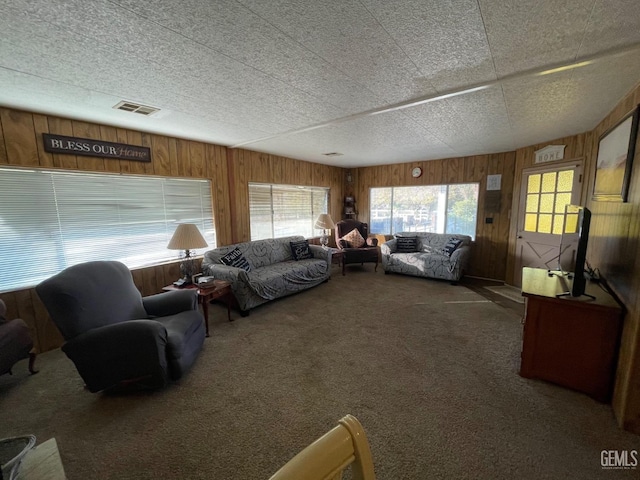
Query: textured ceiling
x=301, y=78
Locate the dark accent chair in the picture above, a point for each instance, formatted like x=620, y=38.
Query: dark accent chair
x=367, y=253
x=114, y=336
x=15, y=342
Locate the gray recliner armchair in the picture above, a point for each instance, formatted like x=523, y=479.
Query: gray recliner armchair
x=114, y=336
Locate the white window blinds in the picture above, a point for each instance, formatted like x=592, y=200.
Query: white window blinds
x=50, y=220
x=283, y=210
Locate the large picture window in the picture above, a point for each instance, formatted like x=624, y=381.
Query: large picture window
x=283, y=210
x=430, y=208
x=52, y=219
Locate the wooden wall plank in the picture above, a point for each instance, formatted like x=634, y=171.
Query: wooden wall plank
x=19, y=137
x=41, y=125
x=3, y=148
x=196, y=154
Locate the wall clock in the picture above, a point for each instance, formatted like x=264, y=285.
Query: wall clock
x=416, y=172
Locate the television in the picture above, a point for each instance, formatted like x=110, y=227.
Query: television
x=573, y=248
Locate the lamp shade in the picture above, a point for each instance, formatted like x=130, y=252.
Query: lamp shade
x=187, y=237
x=324, y=221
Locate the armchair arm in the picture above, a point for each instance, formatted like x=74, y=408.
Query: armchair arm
x=109, y=355
x=170, y=303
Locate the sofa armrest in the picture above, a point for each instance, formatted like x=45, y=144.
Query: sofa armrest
x=227, y=273
x=170, y=303
x=461, y=254
x=318, y=252
x=388, y=247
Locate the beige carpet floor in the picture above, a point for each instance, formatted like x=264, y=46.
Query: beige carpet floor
x=430, y=370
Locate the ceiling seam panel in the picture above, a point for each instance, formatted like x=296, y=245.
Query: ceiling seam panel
x=316, y=54
x=495, y=69
x=273, y=77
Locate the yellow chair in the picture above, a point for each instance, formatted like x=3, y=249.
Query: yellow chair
x=327, y=457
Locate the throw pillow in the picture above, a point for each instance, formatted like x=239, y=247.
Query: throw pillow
x=451, y=246
x=406, y=244
x=354, y=238
x=235, y=259
x=300, y=250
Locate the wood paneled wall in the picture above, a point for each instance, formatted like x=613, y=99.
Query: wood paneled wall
x=229, y=172
x=489, y=251
x=614, y=248
x=247, y=166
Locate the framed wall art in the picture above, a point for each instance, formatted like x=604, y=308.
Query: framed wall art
x=616, y=149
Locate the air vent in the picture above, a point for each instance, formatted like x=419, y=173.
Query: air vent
x=136, y=108
x=333, y=154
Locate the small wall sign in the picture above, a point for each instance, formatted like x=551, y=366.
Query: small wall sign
x=494, y=181
x=550, y=153
x=94, y=148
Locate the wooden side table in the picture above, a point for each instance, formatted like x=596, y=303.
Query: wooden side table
x=220, y=289
x=337, y=256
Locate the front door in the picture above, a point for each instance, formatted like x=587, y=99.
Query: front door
x=544, y=193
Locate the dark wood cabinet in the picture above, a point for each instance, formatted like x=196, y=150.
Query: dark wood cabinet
x=570, y=341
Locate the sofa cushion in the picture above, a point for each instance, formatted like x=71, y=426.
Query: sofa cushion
x=300, y=250
x=406, y=244
x=354, y=239
x=451, y=246
x=235, y=259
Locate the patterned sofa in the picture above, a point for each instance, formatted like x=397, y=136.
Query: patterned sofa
x=274, y=272
x=428, y=260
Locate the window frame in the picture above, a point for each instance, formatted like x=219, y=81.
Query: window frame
x=91, y=216
x=282, y=188
x=443, y=221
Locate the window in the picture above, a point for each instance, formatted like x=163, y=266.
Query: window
x=432, y=208
x=283, y=210
x=50, y=220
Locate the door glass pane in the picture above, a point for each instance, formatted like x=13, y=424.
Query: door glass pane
x=562, y=199
x=546, y=203
x=549, y=182
x=530, y=221
x=558, y=222
x=544, y=223
x=534, y=183
x=532, y=203
x=565, y=181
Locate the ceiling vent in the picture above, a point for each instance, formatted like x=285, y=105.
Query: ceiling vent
x=333, y=154
x=136, y=108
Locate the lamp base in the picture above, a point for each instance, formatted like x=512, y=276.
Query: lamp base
x=187, y=269
x=324, y=239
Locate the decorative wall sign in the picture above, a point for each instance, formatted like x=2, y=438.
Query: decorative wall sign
x=494, y=181
x=550, y=153
x=94, y=148
x=615, y=156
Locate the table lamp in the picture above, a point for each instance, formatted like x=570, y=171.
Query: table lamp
x=324, y=222
x=186, y=237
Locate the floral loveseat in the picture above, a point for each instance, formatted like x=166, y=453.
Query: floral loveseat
x=428, y=258
x=272, y=270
